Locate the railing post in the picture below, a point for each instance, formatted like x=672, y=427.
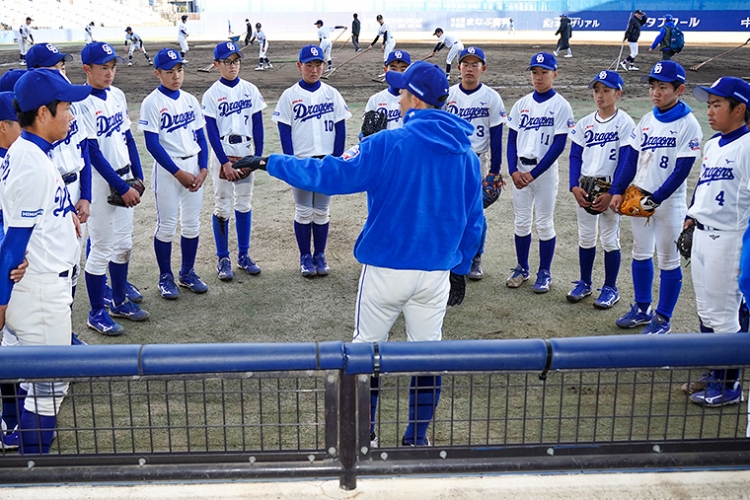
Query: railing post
x=348, y=432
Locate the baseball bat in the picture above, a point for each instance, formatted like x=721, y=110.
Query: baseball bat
x=698, y=66
x=356, y=55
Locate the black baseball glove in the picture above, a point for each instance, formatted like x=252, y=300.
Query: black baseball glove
x=594, y=187
x=373, y=121
x=458, y=289
x=492, y=186
x=685, y=241
x=114, y=197
x=250, y=164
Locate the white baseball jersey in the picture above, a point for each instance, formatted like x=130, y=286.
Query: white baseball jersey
x=447, y=40
x=182, y=31
x=134, y=39
x=601, y=141
x=107, y=120
x=312, y=116
x=261, y=37
x=325, y=32
x=89, y=33
x=385, y=32
x=385, y=102
x=659, y=145
x=175, y=120
x=537, y=124
x=66, y=154
x=33, y=194
x=722, y=200
x=24, y=33
x=233, y=107
x=482, y=108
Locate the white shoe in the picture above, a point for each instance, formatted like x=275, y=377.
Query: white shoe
x=269, y=66
x=633, y=68
x=22, y=63
x=554, y=52
x=568, y=55
x=624, y=65
x=259, y=68
x=130, y=63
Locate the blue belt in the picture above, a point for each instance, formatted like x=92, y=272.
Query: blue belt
x=70, y=178
x=705, y=228
x=236, y=139
x=123, y=171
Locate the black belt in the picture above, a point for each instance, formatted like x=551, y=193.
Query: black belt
x=70, y=178
x=705, y=228
x=528, y=161
x=65, y=274
x=124, y=170
x=236, y=139
x=185, y=157
x=319, y=157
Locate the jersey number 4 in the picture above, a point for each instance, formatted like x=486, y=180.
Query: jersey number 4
x=720, y=198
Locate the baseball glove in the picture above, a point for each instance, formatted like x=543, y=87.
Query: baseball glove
x=492, y=186
x=637, y=203
x=685, y=241
x=373, y=121
x=244, y=172
x=594, y=187
x=115, y=199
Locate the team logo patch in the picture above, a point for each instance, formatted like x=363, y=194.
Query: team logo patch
x=571, y=123
x=471, y=50
x=51, y=48
x=351, y=153
x=30, y=214
x=694, y=144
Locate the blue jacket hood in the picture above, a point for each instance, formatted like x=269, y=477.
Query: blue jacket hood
x=443, y=132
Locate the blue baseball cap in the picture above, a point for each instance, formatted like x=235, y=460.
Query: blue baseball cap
x=398, y=55
x=426, y=81
x=41, y=86
x=226, y=49
x=543, y=60
x=611, y=79
x=99, y=53
x=726, y=86
x=9, y=79
x=310, y=53
x=167, y=59
x=7, y=111
x=472, y=51
x=668, y=17
x=666, y=71
x=45, y=55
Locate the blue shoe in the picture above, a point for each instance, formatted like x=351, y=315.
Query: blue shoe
x=248, y=264
x=192, y=282
x=517, y=278
x=579, y=292
x=167, y=288
x=659, y=325
x=10, y=441
x=321, y=266
x=609, y=297
x=634, y=317
x=543, y=281
x=108, y=301
x=102, y=323
x=224, y=269
x=420, y=442
x=132, y=293
x=306, y=266
x=129, y=310
x=74, y=340
x=718, y=394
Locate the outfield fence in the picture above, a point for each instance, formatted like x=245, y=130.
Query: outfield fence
x=242, y=411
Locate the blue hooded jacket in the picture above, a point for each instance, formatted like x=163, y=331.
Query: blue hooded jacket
x=662, y=34
x=423, y=185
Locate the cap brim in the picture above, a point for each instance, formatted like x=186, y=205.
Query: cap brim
x=545, y=66
x=74, y=93
x=171, y=65
x=646, y=78
x=702, y=93
x=395, y=79
x=603, y=82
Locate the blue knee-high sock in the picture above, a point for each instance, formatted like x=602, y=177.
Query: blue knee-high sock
x=320, y=236
x=163, y=250
x=189, y=247
x=669, y=291
x=243, y=222
x=703, y=328
x=119, y=274
x=36, y=433
x=484, y=237
x=302, y=232
x=95, y=285
x=643, y=280
x=423, y=399
x=612, y=267
x=88, y=247
x=374, y=394
x=586, y=258
x=546, y=252
x=744, y=317
x=523, y=245
x=221, y=236
x=11, y=406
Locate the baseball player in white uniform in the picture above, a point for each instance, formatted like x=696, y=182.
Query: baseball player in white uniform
x=134, y=41
x=232, y=108
x=324, y=38
x=259, y=35
x=482, y=107
x=597, y=140
x=25, y=40
x=114, y=156
x=389, y=43
x=662, y=150
x=386, y=101
x=538, y=124
x=172, y=123
x=39, y=219
x=720, y=211
x=454, y=45
x=182, y=34
x=311, y=118
x=89, y=32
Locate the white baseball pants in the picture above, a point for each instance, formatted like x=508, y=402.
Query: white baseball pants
x=223, y=189
x=589, y=225
x=537, y=199
x=173, y=199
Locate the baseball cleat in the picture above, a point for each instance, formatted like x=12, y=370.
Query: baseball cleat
x=659, y=325
x=167, y=288
x=517, y=278
x=259, y=68
x=608, y=298
x=75, y=340
x=624, y=64
x=568, y=55
x=132, y=293
x=698, y=385
x=633, y=68
x=420, y=442
x=102, y=323
x=321, y=265
x=10, y=441
x=634, y=317
x=718, y=394
x=306, y=266
x=269, y=66
x=192, y=282
x=248, y=264
x=476, y=273
x=554, y=52
x=130, y=63
x=579, y=292
x=129, y=310
x=543, y=281
x=224, y=269
x=374, y=441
